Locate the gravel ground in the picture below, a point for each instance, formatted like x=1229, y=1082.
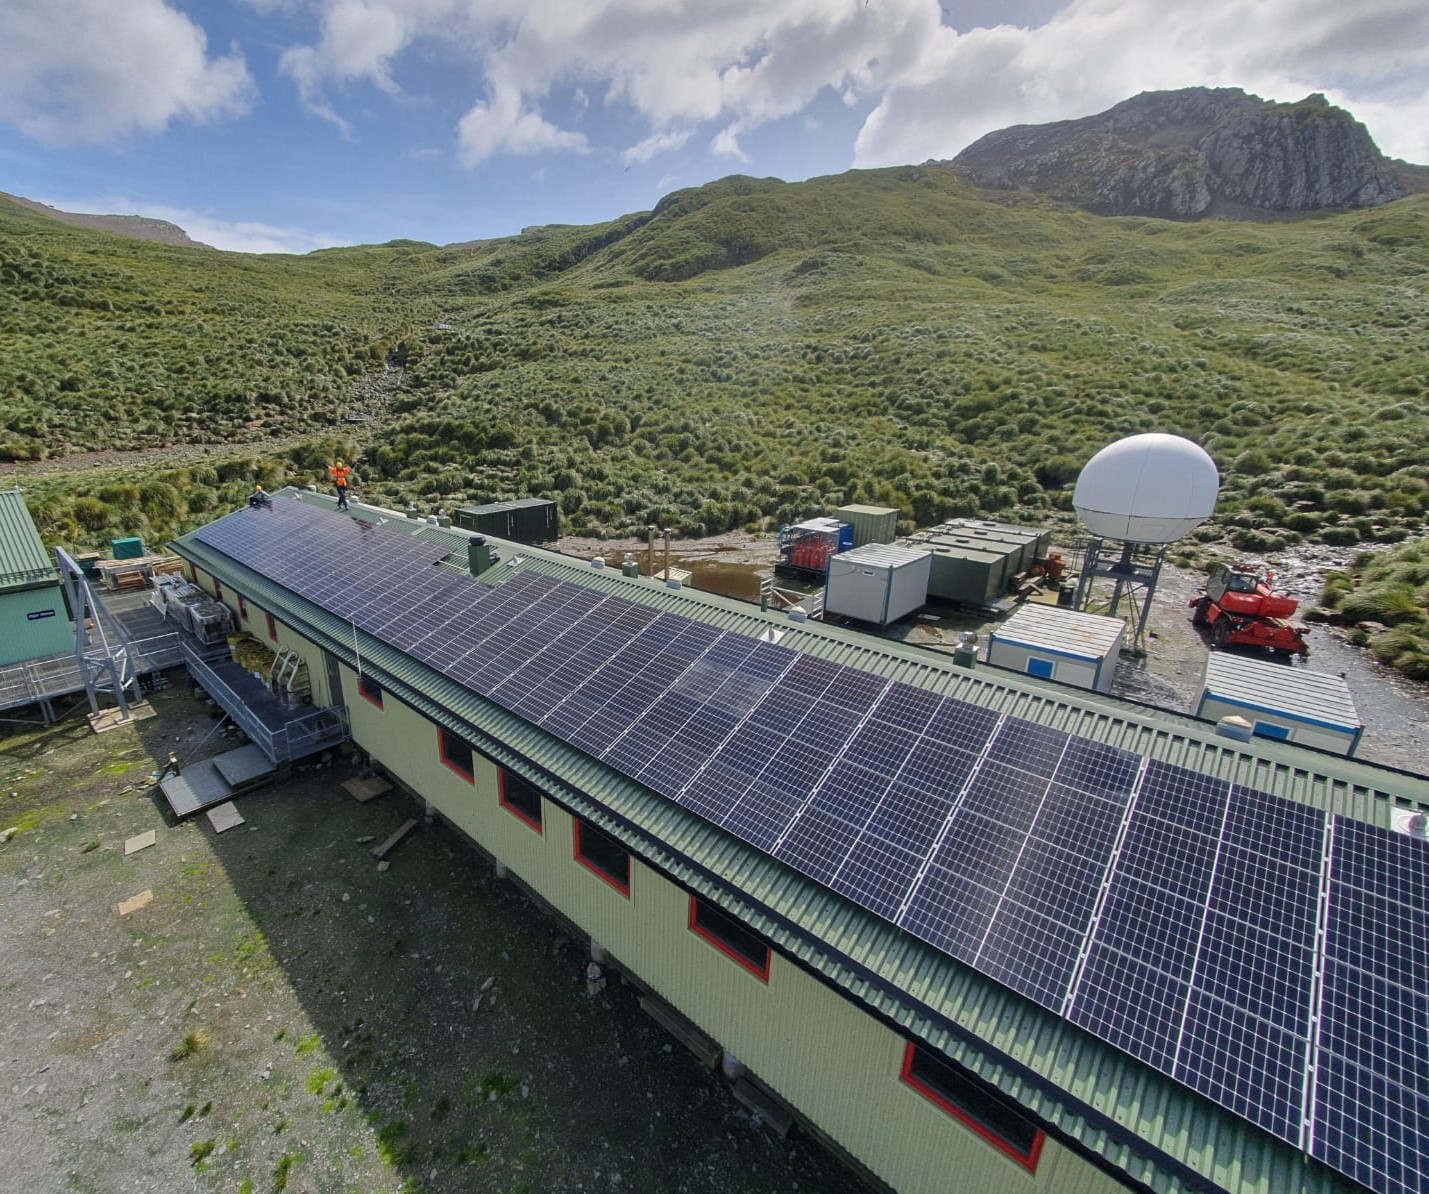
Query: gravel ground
x=422, y=1029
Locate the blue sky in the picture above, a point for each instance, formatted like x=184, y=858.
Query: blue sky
x=288, y=125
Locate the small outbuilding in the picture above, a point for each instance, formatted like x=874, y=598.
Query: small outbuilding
x=871, y=524
x=1052, y=643
x=523, y=520
x=1280, y=701
x=34, y=620
x=877, y=583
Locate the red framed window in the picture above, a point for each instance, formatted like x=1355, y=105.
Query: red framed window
x=193, y=573
x=455, y=753
x=370, y=690
x=731, y=937
x=242, y=606
x=602, y=855
x=948, y=1086
x=519, y=798
x=272, y=627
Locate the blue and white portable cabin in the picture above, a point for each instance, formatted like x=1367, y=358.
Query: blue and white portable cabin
x=1281, y=701
x=1066, y=645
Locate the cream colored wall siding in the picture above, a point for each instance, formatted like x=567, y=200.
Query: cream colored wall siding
x=828, y=1058
x=823, y=1054
x=406, y=744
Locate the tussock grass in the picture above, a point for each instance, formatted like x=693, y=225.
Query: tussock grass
x=748, y=353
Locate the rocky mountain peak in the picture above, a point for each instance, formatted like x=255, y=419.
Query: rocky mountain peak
x=1193, y=153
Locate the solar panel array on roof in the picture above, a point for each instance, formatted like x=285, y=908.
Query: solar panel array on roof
x=1174, y=915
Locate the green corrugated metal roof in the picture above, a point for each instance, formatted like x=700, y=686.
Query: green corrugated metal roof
x=24, y=562
x=1156, y=1131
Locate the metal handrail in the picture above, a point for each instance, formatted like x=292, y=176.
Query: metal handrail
x=297, y=738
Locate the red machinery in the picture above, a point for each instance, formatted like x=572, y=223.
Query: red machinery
x=1241, y=608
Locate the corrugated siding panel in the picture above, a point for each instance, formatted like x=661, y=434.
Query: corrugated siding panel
x=818, y=927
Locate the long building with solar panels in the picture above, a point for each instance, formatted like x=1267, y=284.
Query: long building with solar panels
x=981, y=932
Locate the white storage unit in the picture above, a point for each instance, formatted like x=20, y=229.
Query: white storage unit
x=1059, y=644
x=877, y=583
x=1281, y=701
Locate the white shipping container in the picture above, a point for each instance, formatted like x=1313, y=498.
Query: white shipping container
x=877, y=583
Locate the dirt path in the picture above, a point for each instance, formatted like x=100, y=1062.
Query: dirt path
x=368, y=404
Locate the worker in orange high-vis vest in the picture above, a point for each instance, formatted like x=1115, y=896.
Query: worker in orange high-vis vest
x=338, y=473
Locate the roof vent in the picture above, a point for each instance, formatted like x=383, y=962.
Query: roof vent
x=1235, y=727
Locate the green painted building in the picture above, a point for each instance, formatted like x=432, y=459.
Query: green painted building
x=923, y=1069
x=34, y=621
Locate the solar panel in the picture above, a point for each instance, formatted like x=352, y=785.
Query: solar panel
x=1370, y=1109
x=1247, y=1065
x=1195, y=924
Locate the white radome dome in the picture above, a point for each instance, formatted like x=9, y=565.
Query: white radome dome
x=1151, y=488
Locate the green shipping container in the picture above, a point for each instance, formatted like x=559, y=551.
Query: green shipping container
x=127, y=549
x=871, y=524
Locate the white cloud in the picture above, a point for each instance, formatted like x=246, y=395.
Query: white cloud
x=656, y=143
x=92, y=71
x=505, y=126
x=733, y=66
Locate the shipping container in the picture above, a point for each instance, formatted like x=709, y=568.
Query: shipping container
x=963, y=572
x=127, y=549
x=524, y=520
x=877, y=583
x=871, y=524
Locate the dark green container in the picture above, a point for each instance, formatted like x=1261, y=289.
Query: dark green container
x=127, y=549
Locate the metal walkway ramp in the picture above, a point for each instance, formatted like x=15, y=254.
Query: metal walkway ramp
x=212, y=781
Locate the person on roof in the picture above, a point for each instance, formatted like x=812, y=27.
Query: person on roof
x=259, y=497
x=338, y=473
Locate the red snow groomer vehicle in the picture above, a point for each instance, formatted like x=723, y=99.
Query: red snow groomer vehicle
x=1241, y=609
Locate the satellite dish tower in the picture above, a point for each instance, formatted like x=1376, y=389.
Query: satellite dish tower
x=1135, y=497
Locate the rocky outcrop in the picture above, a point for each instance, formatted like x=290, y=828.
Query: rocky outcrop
x=136, y=227
x=1193, y=153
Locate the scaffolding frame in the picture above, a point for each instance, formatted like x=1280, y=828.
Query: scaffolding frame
x=101, y=648
x=1134, y=570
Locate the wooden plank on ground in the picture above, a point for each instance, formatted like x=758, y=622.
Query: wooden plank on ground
x=134, y=903
x=703, y=1047
x=224, y=817
x=363, y=790
x=140, y=841
x=763, y=1104
x=383, y=849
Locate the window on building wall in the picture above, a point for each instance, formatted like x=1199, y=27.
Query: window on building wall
x=517, y=796
x=455, y=753
x=957, y=1092
x=597, y=851
x=731, y=937
x=370, y=689
x=242, y=606
x=272, y=627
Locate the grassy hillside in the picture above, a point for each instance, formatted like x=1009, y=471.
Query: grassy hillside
x=749, y=352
